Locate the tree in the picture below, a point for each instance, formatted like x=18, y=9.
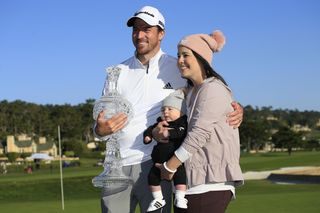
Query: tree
x=286, y=138
x=76, y=122
x=253, y=134
x=12, y=156
x=87, y=119
x=73, y=145
x=253, y=130
x=312, y=144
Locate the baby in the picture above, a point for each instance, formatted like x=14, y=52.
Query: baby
x=173, y=111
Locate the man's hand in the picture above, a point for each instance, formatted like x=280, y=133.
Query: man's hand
x=161, y=133
x=108, y=126
x=235, y=118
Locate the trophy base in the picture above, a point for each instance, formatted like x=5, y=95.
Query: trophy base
x=112, y=180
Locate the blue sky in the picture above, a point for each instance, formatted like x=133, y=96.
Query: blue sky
x=56, y=51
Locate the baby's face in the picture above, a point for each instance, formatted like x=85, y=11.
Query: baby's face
x=170, y=113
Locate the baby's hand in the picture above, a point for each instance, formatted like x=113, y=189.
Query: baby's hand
x=147, y=139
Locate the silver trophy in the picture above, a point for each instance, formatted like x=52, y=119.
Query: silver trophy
x=112, y=103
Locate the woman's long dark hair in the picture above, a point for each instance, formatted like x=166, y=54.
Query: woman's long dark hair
x=209, y=71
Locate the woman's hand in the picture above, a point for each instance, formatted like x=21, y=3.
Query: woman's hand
x=235, y=118
x=165, y=174
x=168, y=168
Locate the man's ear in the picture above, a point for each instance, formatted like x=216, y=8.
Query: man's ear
x=161, y=35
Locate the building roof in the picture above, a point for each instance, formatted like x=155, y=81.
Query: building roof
x=23, y=144
x=46, y=146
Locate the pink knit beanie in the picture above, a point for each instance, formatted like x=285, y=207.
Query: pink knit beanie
x=203, y=44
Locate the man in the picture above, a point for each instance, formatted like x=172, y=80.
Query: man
x=145, y=80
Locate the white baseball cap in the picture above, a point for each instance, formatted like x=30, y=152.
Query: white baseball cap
x=150, y=15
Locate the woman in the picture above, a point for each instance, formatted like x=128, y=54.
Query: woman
x=211, y=149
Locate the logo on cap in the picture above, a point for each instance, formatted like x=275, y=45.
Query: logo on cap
x=145, y=12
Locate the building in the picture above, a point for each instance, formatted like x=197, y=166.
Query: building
x=25, y=144
x=271, y=118
x=300, y=128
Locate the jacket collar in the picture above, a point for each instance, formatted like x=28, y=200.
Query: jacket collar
x=153, y=62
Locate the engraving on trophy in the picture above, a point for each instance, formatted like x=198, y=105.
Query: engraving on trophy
x=112, y=103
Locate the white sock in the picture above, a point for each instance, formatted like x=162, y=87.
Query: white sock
x=180, y=194
x=157, y=195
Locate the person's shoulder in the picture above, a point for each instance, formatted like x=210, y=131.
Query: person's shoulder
x=127, y=64
x=168, y=64
x=128, y=61
x=168, y=58
x=214, y=87
x=216, y=83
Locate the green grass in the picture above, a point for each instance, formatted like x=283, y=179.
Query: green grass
x=71, y=206
x=44, y=174
x=255, y=196
x=40, y=191
x=264, y=197
x=74, y=188
x=276, y=160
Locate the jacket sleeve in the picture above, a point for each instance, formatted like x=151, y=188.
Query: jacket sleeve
x=212, y=105
x=148, y=131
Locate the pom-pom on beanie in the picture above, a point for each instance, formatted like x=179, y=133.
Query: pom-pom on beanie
x=203, y=44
